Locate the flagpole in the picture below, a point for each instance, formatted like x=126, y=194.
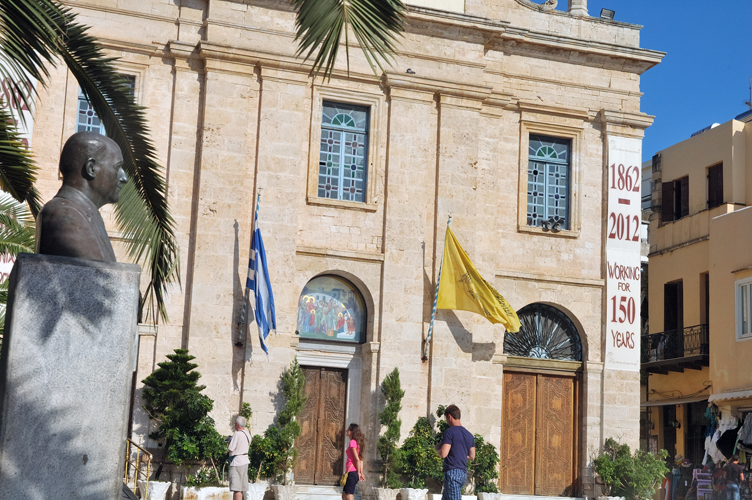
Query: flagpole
x=241, y=322
x=435, y=300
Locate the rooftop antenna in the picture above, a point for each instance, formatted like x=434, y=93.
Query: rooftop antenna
x=749, y=103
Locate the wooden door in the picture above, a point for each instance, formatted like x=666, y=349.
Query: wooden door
x=554, y=437
x=518, y=435
x=321, y=441
x=538, y=448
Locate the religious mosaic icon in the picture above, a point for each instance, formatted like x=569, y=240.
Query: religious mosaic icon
x=330, y=308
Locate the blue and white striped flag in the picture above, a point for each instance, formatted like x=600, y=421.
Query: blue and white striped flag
x=259, y=284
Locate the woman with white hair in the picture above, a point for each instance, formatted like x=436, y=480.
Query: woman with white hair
x=238, y=449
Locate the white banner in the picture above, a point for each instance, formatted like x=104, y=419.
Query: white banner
x=623, y=226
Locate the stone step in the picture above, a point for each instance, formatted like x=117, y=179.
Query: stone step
x=316, y=492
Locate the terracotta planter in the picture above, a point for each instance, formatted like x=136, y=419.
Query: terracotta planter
x=157, y=490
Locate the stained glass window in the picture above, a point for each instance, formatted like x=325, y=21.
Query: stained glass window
x=344, y=152
x=548, y=182
x=87, y=120
x=330, y=308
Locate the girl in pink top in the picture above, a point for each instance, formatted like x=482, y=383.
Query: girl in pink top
x=354, y=466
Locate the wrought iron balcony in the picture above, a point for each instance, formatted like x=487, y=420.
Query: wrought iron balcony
x=676, y=350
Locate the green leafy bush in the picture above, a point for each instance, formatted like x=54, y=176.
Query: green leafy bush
x=205, y=476
x=173, y=399
x=420, y=462
x=273, y=455
x=245, y=411
x=484, y=470
x=633, y=476
x=390, y=454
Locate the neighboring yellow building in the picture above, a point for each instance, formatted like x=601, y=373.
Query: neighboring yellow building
x=700, y=272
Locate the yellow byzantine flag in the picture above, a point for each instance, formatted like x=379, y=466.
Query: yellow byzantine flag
x=462, y=287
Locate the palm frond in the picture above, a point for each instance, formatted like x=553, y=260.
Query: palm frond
x=33, y=32
x=17, y=169
x=320, y=25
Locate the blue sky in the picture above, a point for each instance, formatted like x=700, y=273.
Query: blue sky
x=704, y=77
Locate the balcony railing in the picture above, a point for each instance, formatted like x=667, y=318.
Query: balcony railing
x=676, y=350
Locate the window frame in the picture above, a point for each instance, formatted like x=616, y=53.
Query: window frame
x=574, y=133
x=738, y=286
x=374, y=102
x=715, y=199
x=137, y=78
x=551, y=162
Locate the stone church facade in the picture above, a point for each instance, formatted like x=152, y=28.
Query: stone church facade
x=496, y=112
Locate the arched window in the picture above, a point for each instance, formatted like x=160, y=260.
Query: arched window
x=331, y=308
x=546, y=333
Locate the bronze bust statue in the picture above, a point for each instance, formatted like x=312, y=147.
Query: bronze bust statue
x=70, y=224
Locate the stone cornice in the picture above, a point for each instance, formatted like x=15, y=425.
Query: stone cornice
x=640, y=121
x=135, y=48
x=534, y=107
x=340, y=254
x=645, y=57
x=551, y=81
x=561, y=280
x=455, y=19
x=442, y=87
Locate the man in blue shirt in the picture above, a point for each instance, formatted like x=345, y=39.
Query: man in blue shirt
x=456, y=448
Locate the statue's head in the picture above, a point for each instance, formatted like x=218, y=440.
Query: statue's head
x=93, y=164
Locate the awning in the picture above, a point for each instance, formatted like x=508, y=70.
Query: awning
x=728, y=396
x=676, y=401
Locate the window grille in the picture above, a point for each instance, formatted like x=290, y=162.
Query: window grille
x=344, y=152
x=548, y=182
x=87, y=120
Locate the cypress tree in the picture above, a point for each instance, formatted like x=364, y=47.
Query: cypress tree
x=388, y=451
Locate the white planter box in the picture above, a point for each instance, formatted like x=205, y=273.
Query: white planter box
x=489, y=496
x=284, y=492
x=205, y=493
x=413, y=494
x=437, y=496
x=157, y=489
x=385, y=493
x=257, y=490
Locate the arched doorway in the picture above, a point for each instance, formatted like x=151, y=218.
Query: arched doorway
x=331, y=317
x=540, y=412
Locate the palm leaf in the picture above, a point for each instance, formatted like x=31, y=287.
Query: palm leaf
x=33, y=32
x=17, y=169
x=321, y=23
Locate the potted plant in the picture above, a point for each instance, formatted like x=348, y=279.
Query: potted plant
x=273, y=455
x=633, y=476
x=387, y=449
x=420, y=462
x=208, y=483
x=483, y=472
x=185, y=430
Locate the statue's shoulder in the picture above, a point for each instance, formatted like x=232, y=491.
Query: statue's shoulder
x=63, y=206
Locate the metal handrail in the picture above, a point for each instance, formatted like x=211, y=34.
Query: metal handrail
x=675, y=344
x=137, y=466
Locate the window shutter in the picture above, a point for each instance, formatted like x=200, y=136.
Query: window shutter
x=667, y=202
x=684, y=197
x=715, y=185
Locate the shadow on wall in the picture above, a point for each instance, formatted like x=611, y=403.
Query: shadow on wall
x=61, y=322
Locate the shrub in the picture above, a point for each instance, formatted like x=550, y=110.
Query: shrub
x=174, y=400
x=274, y=455
x=420, y=461
x=388, y=451
x=633, y=476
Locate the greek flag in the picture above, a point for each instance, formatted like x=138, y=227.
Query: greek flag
x=259, y=284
